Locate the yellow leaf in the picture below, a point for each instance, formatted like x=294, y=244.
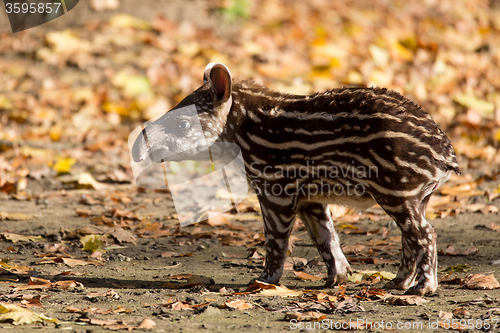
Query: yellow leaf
x=127, y=21
x=92, y=243
x=370, y=275
x=55, y=133
x=14, y=238
x=472, y=102
x=63, y=164
x=133, y=85
x=20, y=316
x=398, y=51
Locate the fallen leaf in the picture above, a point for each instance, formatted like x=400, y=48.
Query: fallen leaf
x=127, y=21
x=456, y=326
x=77, y=262
x=67, y=284
x=305, y=316
x=308, y=277
x=14, y=216
x=181, y=306
x=370, y=275
x=109, y=293
x=480, y=281
x=349, y=305
x=20, y=316
x=83, y=180
x=237, y=304
x=92, y=243
x=405, y=300
x=98, y=311
x=445, y=315
x=353, y=249
x=121, y=235
x=450, y=251
x=461, y=313
x=14, y=238
x=457, y=269
x=32, y=302
x=63, y=164
x=267, y=289
x=146, y=324
x=215, y=218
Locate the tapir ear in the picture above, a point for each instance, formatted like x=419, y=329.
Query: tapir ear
x=218, y=76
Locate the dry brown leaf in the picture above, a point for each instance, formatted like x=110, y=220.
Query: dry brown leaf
x=480, y=281
x=451, y=251
x=308, y=277
x=445, y=315
x=215, y=218
x=67, y=284
x=14, y=238
x=33, y=302
x=146, y=324
x=267, y=289
x=35, y=283
x=109, y=293
x=237, y=304
x=121, y=235
x=98, y=311
x=405, y=300
x=181, y=306
x=455, y=326
x=305, y=316
x=461, y=313
x=353, y=249
x=77, y=262
x=14, y=216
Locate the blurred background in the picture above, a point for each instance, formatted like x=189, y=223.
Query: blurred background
x=72, y=90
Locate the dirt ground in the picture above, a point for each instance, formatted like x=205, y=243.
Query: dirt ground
x=133, y=270
x=136, y=272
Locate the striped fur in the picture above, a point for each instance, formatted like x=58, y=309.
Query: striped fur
x=374, y=142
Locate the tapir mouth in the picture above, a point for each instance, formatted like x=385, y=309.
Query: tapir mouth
x=160, y=155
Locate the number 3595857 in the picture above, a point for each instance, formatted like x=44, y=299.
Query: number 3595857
x=32, y=8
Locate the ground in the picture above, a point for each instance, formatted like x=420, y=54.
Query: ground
x=136, y=272
x=69, y=209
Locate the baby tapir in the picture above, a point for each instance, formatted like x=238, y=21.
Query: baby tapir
x=348, y=146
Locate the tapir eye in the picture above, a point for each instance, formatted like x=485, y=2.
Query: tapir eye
x=184, y=124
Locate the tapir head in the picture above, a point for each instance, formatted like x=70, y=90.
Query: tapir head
x=188, y=130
